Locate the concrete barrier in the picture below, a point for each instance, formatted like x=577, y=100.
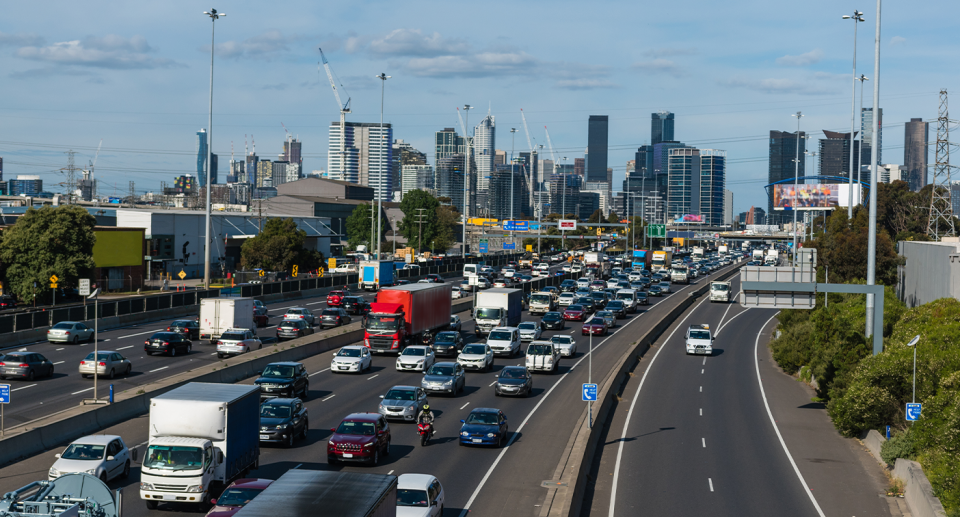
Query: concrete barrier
x=918, y=493
x=874, y=441
x=27, y=337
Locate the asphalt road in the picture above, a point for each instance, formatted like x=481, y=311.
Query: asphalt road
x=482, y=480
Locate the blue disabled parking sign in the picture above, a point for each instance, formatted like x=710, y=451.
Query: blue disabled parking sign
x=589, y=392
x=913, y=411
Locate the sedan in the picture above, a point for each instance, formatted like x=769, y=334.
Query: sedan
x=102, y=456
x=189, y=329
x=447, y=343
x=25, y=365
x=354, y=358
x=69, y=332
x=568, y=285
x=595, y=326
x=107, y=364
x=529, y=330
x=355, y=305
x=167, y=343
x=236, y=496
x=552, y=321
x=444, y=377
x=484, y=426
x=483, y=283
x=574, y=313
x=293, y=329
x=403, y=402
x=457, y=292
x=455, y=324
x=421, y=491
x=236, y=342
x=664, y=287
x=300, y=313
x=589, y=304
x=8, y=302
x=609, y=317
x=597, y=285
x=513, y=380
x=618, y=307
x=476, y=357
x=566, y=298
x=283, y=421
x=654, y=290
x=334, y=317
x=416, y=358
x=566, y=344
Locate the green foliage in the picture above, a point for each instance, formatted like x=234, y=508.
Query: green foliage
x=45, y=242
x=843, y=248
x=410, y=225
x=447, y=218
x=279, y=247
x=359, y=226
x=900, y=445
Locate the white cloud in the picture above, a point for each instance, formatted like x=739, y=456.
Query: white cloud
x=412, y=42
x=898, y=40
x=262, y=46
x=805, y=59
x=483, y=64
x=669, y=52
x=659, y=66
x=586, y=84
x=111, y=51
x=20, y=40
x=778, y=85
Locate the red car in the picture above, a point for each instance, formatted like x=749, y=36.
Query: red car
x=596, y=326
x=236, y=496
x=574, y=313
x=335, y=298
x=360, y=437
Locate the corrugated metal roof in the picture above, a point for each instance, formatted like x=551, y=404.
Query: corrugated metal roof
x=209, y=392
x=301, y=493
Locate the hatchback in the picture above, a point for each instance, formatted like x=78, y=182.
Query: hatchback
x=300, y=313
x=8, y=302
x=596, y=325
x=444, y=377
x=416, y=358
x=355, y=305
x=236, y=496
x=236, y=342
x=484, y=426
x=419, y=491
x=167, y=343
x=334, y=318
x=609, y=317
x=353, y=358
x=334, y=298
x=513, y=380
x=24, y=365
x=293, y=329
x=283, y=421
x=574, y=313
x=552, y=321
x=403, y=402
x=102, y=456
x=189, y=329
x=107, y=364
x=447, y=343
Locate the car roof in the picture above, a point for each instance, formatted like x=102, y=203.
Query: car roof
x=251, y=483
x=278, y=401
x=285, y=363
x=362, y=417
x=504, y=328
x=351, y=347
x=414, y=481
x=96, y=439
x=485, y=410
x=513, y=367
x=403, y=388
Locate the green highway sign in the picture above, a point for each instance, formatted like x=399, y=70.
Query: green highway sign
x=658, y=231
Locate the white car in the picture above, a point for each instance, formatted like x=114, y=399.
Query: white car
x=456, y=292
x=583, y=282
x=566, y=299
x=634, y=276
x=566, y=268
x=613, y=283
x=699, y=340
x=416, y=359
x=354, y=358
x=566, y=344
x=529, y=330
x=476, y=356
x=504, y=341
x=236, y=342
x=509, y=272
x=419, y=495
x=102, y=456
x=483, y=283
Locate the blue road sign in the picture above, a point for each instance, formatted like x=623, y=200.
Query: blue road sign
x=913, y=411
x=509, y=245
x=483, y=247
x=4, y=393
x=516, y=226
x=589, y=392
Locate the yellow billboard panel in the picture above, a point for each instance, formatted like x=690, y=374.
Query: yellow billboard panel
x=118, y=248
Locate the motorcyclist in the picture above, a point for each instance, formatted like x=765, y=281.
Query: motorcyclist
x=426, y=417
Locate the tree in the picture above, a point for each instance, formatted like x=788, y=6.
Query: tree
x=413, y=204
x=49, y=241
x=359, y=226
x=447, y=218
x=279, y=247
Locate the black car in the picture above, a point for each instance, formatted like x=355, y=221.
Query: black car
x=334, y=317
x=447, y=343
x=8, y=302
x=642, y=298
x=589, y=304
x=601, y=297
x=283, y=421
x=552, y=320
x=24, y=365
x=286, y=379
x=292, y=329
x=189, y=329
x=355, y=305
x=167, y=343
x=654, y=290
x=401, y=282
x=513, y=380
x=617, y=307
x=434, y=278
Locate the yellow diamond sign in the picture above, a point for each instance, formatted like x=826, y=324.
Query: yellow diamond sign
x=53, y=279
x=182, y=275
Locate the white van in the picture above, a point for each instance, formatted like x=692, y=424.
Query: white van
x=629, y=298
x=543, y=356
x=470, y=270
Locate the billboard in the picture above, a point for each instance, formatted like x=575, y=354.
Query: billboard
x=814, y=196
x=516, y=226
x=567, y=224
x=118, y=248
x=689, y=219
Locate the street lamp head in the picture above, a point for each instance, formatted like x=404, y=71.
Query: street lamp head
x=913, y=341
x=97, y=292
x=212, y=13
x=383, y=76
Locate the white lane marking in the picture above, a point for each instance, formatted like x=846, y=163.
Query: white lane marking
x=57, y=350
x=701, y=371
x=316, y=303
x=60, y=362
x=463, y=406
x=214, y=353
x=125, y=347
x=720, y=323
x=636, y=396
x=140, y=334
x=374, y=376
x=81, y=391
x=731, y=319
x=328, y=398
x=85, y=344
x=391, y=472
x=158, y=369
x=710, y=480
x=763, y=393
x=704, y=441
x=704, y=360
x=701, y=411
x=108, y=339
x=701, y=389
x=25, y=387
x=315, y=373
x=492, y=383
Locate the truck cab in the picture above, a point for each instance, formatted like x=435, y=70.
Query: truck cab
x=541, y=303
x=720, y=292
x=543, y=356
x=679, y=274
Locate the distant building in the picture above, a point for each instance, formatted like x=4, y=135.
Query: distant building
x=580, y=166
x=866, y=132
x=697, y=179
x=916, y=153
x=28, y=185
x=783, y=150
x=291, y=151
x=499, y=157
x=237, y=172
x=404, y=154
x=264, y=174
x=589, y=203
x=484, y=149
x=185, y=184
x=597, y=145
x=367, y=158
x=417, y=177
x=834, y=156
x=727, y=207
x=661, y=127
x=448, y=143
x=955, y=198
x=202, y=160
x=450, y=182
x=1, y=168
x=250, y=167
x=892, y=172
x=507, y=196
x=564, y=194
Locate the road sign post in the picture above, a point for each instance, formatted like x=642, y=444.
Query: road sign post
x=4, y=400
x=913, y=411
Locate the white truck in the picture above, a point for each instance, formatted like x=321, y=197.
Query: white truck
x=679, y=274
x=697, y=253
x=719, y=292
x=219, y=314
x=541, y=302
x=543, y=356
x=772, y=258
x=202, y=437
x=498, y=307
x=722, y=249
x=757, y=255
x=699, y=340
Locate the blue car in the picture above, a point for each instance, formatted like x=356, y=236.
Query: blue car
x=484, y=426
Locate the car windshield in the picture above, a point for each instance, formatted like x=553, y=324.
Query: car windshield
x=237, y=496
x=181, y=324
x=540, y=298
x=513, y=373
x=231, y=337
x=539, y=350
x=445, y=337
x=482, y=418
x=400, y=395
x=720, y=287
x=575, y=308
x=63, y=326
x=274, y=370
x=274, y=411
x=527, y=326
x=699, y=334
x=169, y=457
x=358, y=428
x=440, y=370
x=605, y=314
x=415, y=351
x=562, y=340
x=407, y=497
x=500, y=335
x=349, y=352
x=488, y=314
x=551, y=316
x=79, y=451
x=474, y=349
x=290, y=324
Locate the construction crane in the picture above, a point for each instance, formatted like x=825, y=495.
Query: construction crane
x=532, y=157
x=344, y=109
x=553, y=155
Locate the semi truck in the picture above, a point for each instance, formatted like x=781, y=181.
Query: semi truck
x=375, y=274
x=202, y=436
x=661, y=260
x=308, y=493
x=219, y=314
x=679, y=274
x=405, y=314
x=642, y=259
x=772, y=257
x=499, y=307
x=719, y=292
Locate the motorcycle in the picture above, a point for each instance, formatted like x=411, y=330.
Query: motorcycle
x=426, y=431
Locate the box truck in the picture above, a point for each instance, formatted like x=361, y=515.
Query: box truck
x=375, y=274
x=219, y=314
x=202, y=436
x=497, y=308
x=720, y=292
x=661, y=261
x=405, y=315
x=309, y=493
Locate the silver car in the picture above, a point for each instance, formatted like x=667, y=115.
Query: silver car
x=300, y=313
x=566, y=344
x=107, y=364
x=69, y=332
x=236, y=342
x=102, y=456
x=529, y=330
x=403, y=402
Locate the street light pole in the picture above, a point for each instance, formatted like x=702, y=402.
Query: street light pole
x=383, y=174
x=214, y=16
x=466, y=176
x=874, y=156
x=862, y=78
x=913, y=344
x=796, y=183
x=857, y=18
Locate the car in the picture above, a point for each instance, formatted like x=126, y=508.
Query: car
x=335, y=298
x=525, y=278
x=107, y=364
x=361, y=437
x=25, y=365
x=457, y=292
x=434, y=278
x=444, y=377
x=69, y=332
x=293, y=329
x=552, y=320
x=589, y=304
x=236, y=496
x=597, y=285
x=8, y=302
x=618, y=307
x=484, y=426
x=352, y=358
x=513, y=380
x=419, y=495
x=259, y=308
x=566, y=344
x=574, y=312
x=403, y=403
x=582, y=291
x=553, y=290
x=508, y=272
x=608, y=317
x=500, y=283
x=613, y=282
x=189, y=329
x=642, y=298
x=699, y=340
x=334, y=317
x=602, y=297
x=504, y=341
x=401, y=282
x=300, y=313
x=566, y=268
x=455, y=323
x=530, y=330
x=565, y=299
x=654, y=290
x=416, y=358
x=476, y=356
x=596, y=325
x=583, y=282
x=447, y=343
x=464, y=287
x=284, y=379
x=283, y=420
x=167, y=343
x=236, y=342
x=103, y=456
x=355, y=305
x=665, y=287
x=483, y=283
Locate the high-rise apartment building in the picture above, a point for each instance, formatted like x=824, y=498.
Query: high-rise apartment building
x=291, y=151
x=564, y=194
x=866, y=132
x=783, y=150
x=580, y=166
x=597, y=146
x=448, y=143
x=367, y=158
x=251, y=167
x=727, y=207
x=26, y=184
x=507, y=196
x=237, y=172
x=450, y=177
x=1, y=168
x=202, y=159
x=404, y=154
x=500, y=157
x=484, y=149
x=916, y=153
x=417, y=176
x=834, y=159
x=696, y=184
x=661, y=127
x=264, y=174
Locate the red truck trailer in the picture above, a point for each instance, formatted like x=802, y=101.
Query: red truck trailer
x=403, y=314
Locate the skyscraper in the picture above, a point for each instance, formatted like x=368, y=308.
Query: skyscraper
x=484, y=149
x=252, y=166
x=29, y=185
x=416, y=176
x=507, y=195
x=450, y=176
x=866, y=132
x=597, y=145
x=580, y=166
x=367, y=156
x=291, y=153
x=713, y=180
x=448, y=143
x=1, y=168
x=916, y=152
x=683, y=188
x=564, y=194
x=202, y=160
x=834, y=156
x=661, y=127
x=783, y=150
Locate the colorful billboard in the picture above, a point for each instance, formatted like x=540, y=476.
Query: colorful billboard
x=689, y=219
x=814, y=196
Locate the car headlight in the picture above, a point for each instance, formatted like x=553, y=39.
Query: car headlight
x=195, y=488
x=420, y=363
x=448, y=383
x=331, y=444
x=143, y=486
x=408, y=409
x=464, y=433
x=381, y=407
x=366, y=445
x=54, y=473
x=92, y=472
x=491, y=435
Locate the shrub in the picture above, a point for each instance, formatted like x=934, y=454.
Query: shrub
x=900, y=445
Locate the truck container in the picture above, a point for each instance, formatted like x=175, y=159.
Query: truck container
x=404, y=314
x=661, y=261
x=202, y=436
x=375, y=274
x=497, y=308
x=722, y=249
x=697, y=252
x=772, y=258
x=219, y=314
x=720, y=291
x=310, y=493
x=758, y=255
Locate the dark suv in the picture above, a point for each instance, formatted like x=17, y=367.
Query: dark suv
x=190, y=329
x=360, y=437
x=283, y=421
x=355, y=305
x=286, y=379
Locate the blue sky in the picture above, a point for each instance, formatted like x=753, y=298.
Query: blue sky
x=136, y=76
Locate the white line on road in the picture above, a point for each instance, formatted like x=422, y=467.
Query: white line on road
x=321, y=371
x=463, y=406
x=24, y=387
x=214, y=353
x=731, y=319
x=492, y=383
x=81, y=391
x=376, y=375
x=701, y=411
x=701, y=389
x=140, y=334
x=328, y=398
x=316, y=303
x=57, y=350
x=701, y=371
x=61, y=362
x=704, y=441
x=158, y=369
x=763, y=393
x=125, y=347
x=704, y=360
x=108, y=339
x=298, y=466
x=391, y=472
x=709, y=480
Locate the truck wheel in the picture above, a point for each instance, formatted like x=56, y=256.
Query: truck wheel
x=151, y=505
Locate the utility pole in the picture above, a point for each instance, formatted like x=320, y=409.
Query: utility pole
x=466, y=178
x=420, y=216
x=796, y=186
x=857, y=18
x=381, y=187
x=214, y=16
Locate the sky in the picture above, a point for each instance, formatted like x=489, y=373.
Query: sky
x=136, y=76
